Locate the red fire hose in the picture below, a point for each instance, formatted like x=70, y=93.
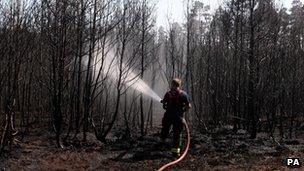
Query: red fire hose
x=184, y=153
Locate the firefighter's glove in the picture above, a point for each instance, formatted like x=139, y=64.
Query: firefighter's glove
x=164, y=106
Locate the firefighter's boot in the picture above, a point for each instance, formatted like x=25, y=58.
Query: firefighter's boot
x=175, y=152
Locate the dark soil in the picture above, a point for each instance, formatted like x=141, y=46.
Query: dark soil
x=222, y=150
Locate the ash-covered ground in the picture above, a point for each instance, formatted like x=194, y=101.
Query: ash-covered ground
x=220, y=150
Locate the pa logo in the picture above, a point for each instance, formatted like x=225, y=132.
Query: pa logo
x=293, y=162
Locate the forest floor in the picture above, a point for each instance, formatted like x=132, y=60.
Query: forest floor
x=221, y=150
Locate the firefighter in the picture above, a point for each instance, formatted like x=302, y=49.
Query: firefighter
x=176, y=103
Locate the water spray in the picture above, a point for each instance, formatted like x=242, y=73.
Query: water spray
x=130, y=78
